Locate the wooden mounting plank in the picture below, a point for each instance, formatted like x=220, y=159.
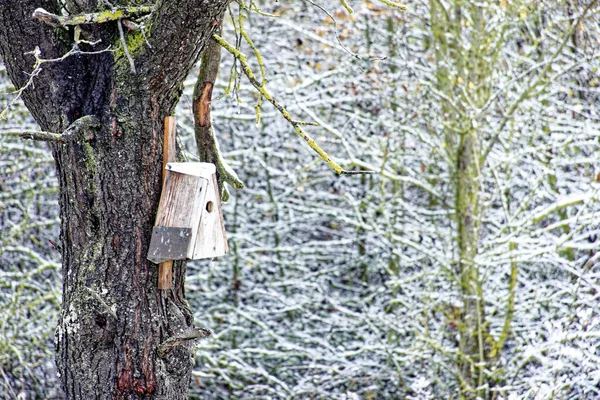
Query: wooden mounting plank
x=165, y=269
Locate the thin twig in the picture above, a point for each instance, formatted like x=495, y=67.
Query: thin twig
x=534, y=81
x=233, y=74
x=254, y=8
x=337, y=35
x=241, y=57
x=37, y=69
x=261, y=64
x=125, y=47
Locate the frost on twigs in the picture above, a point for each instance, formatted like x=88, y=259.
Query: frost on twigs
x=337, y=281
x=241, y=57
x=30, y=283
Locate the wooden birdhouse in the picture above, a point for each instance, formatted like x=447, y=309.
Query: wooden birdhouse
x=189, y=223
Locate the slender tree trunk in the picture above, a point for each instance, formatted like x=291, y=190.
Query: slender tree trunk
x=467, y=211
x=113, y=316
x=462, y=74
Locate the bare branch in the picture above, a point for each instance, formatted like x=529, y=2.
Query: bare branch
x=84, y=124
x=241, y=57
x=168, y=345
x=37, y=69
x=347, y=6
x=394, y=4
x=335, y=28
x=125, y=47
x=93, y=18
x=208, y=146
x=38, y=136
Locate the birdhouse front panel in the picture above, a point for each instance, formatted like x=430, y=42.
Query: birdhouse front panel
x=211, y=239
x=180, y=203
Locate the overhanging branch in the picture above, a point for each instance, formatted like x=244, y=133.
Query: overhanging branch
x=38, y=136
x=84, y=124
x=297, y=125
x=93, y=18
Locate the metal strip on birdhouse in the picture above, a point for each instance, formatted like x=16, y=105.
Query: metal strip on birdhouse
x=190, y=201
x=169, y=243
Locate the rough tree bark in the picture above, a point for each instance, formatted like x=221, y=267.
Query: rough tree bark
x=467, y=206
x=113, y=318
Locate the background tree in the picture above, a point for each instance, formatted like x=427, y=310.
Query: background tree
x=393, y=316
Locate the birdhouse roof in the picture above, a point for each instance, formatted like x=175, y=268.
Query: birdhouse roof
x=204, y=170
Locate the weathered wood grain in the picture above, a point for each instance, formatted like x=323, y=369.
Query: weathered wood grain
x=165, y=269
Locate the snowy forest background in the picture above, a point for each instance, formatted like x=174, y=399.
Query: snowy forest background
x=360, y=287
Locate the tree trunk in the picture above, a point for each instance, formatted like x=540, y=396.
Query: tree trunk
x=471, y=341
x=113, y=316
